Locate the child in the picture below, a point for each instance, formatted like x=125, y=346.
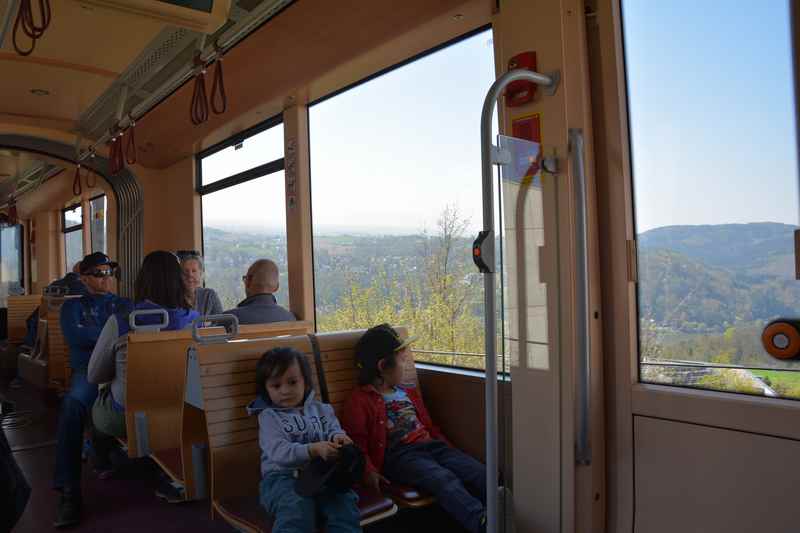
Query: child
x=293, y=429
x=392, y=427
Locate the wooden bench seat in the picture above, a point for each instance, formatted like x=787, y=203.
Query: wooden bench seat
x=57, y=348
x=224, y=378
x=338, y=365
x=19, y=309
x=157, y=423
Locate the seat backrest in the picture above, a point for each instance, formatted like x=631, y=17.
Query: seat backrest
x=338, y=364
x=227, y=384
x=19, y=309
x=57, y=348
x=155, y=378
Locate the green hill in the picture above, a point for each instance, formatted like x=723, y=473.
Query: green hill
x=708, y=278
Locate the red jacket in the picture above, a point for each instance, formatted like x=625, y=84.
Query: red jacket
x=364, y=420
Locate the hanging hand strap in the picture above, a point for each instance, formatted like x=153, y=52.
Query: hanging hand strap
x=27, y=23
x=130, y=145
x=76, y=182
x=199, y=109
x=218, y=88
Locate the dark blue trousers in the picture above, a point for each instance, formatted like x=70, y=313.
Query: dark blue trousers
x=457, y=480
x=75, y=407
x=293, y=513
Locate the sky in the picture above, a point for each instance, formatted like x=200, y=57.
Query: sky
x=386, y=156
x=711, y=112
x=711, y=120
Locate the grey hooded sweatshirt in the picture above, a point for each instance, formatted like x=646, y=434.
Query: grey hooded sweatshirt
x=285, y=433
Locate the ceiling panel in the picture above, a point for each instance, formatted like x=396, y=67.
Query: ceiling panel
x=69, y=92
x=88, y=35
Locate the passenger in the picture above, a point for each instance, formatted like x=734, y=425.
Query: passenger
x=260, y=306
x=159, y=285
x=72, y=281
x=72, y=284
x=203, y=300
x=294, y=428
x=394, y=430
x=81, y=322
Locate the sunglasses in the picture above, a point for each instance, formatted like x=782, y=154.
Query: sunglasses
x=101, y=273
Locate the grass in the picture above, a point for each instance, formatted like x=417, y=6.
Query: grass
x=786, y=383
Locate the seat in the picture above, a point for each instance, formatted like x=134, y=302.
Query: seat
x=157, y=422
x=226, y=374
x=19, y=309
x=338, y=364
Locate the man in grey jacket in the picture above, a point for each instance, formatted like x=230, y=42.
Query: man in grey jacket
x=260, y=306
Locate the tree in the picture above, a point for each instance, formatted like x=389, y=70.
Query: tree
x=439, y=301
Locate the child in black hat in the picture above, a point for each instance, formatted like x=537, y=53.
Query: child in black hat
x=392, y=427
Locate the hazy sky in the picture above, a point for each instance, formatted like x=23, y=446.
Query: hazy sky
x=712, y=126
x=386, y=156
x=712, y=112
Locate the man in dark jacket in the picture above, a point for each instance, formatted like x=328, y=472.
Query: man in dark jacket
x=82, y=319
x=260, y=306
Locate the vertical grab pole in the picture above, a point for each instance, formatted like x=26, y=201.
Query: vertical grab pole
x=583, y=450
x=483, y=253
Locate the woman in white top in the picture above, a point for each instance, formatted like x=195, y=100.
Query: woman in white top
x=203, y=300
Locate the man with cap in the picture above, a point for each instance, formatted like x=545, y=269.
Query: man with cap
x=82, y=319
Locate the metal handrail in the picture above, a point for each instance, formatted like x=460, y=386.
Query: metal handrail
x=583, y=340
x=487, y=253
x=700, y=364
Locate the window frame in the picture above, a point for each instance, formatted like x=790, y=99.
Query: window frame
x=259, y=171
x=405, y=62
x=66, y=231
x=264, y=169
x=76, y=227
x=21, y=228
x=91, y=235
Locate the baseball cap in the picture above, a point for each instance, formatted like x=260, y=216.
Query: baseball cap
x=378, y=342
x=94, y=260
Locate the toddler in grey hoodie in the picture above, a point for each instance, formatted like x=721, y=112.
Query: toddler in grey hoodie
x=293, y=429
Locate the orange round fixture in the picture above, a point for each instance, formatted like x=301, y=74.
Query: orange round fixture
x=781, y=339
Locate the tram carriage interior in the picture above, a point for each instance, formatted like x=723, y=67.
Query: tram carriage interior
x=579, y=216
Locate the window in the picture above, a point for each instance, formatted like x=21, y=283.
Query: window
x=72, y=224
x=11, y=271
x=251, y=153
x=98, y=223
x=244, y=211
x=714, y=232
x=396, y=199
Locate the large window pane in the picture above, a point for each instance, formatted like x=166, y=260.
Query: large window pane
x=73, y=245
x=243, y=223
x=715, y=229
x=11, y=260
x=397, y=202
x=261, y=148
x=98, y=224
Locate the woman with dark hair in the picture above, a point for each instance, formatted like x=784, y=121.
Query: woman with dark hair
x=158, y=287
